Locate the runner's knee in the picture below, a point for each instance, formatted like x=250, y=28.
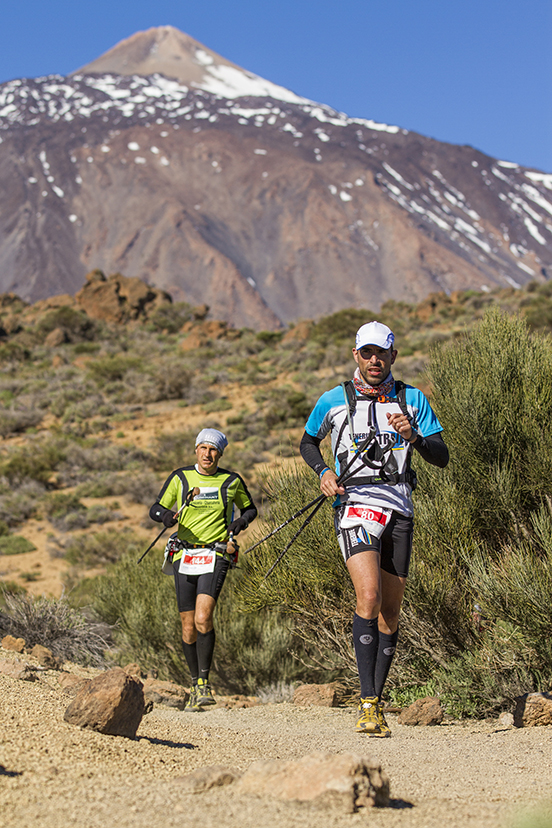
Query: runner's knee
x=204, y=620
x=368, y=602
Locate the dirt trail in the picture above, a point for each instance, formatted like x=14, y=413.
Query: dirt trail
x=474, y=775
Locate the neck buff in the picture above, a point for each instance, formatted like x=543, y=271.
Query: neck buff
x=381, y=390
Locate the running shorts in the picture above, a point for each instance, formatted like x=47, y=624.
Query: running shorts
x=188, y=587
x=394, y=546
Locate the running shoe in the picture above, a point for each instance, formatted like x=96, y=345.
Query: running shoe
x=192, y=705
x=369, y=716
x=385, y=730
x=204, y=693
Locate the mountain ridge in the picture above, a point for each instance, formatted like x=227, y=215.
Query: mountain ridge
x=268, y=209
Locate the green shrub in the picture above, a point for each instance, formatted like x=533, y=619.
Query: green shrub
x=75, y=324
x=15, y=545
x=483, y=536
x=341, y=326
x=140, y=601
x=14, y=352
x=113, y=368
x=99, y=548
x=170, y=318
x=36, y=460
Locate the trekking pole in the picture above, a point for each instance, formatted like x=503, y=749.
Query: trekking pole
x=189, y=497
x=320, y=498
x=343, y=477
x=285, y=523
x=296, y=535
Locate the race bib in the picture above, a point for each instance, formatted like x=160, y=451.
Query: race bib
x=197, y=561
x=374, y=520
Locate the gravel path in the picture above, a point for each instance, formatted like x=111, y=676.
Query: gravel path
x=474, y=775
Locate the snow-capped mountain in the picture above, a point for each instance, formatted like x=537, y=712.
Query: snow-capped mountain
x=163, y=160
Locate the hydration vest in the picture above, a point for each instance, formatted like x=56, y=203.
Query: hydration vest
x=379, y=461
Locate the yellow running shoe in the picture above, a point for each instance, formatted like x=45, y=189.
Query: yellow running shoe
x=369, y=716
x=204, y=693
x=385, y=730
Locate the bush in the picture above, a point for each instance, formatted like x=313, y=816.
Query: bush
x=36, y=460
x=54, y=624
x=140, y=601
x=170, y=318
x=113, y=368
x=76, y=325
x=98, y=548
x=173, y=450
x=14, y=420
x=20, y=503
x=475, y=625
x=15, y=545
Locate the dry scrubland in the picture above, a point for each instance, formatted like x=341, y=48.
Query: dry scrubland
x=95, y=407
x=95, y=412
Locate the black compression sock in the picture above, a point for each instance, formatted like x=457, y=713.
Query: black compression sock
x=190, y=654
x=205, y=648
x=365, y=639
x=386, y=652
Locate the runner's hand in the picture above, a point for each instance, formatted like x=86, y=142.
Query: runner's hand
x=401, y=425
x=169, y=519
x=328, y=484
x=237, y=526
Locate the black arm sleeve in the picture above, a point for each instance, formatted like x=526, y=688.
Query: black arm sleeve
x=249, y=514
x=433, y=449
x=158, y=512
x=311, y=454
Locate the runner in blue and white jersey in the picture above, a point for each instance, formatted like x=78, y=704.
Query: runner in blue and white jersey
x=380, y=422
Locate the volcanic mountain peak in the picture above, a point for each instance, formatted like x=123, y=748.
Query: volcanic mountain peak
x=167, y=51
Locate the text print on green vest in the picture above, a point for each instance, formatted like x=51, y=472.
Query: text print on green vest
x=207, y=518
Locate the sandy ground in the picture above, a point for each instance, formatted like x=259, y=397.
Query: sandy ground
x=474, y=775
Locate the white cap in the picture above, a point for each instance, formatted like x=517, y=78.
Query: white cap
x=213, y=438
x=374, y=333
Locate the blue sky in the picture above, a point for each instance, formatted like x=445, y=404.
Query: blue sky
x=477, y=72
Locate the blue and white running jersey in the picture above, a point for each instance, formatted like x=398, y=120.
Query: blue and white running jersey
x=329, y=415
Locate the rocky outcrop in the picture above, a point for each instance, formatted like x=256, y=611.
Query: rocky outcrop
x=72, y=684
x=17, y=669
x=165, y=693
x=111, y=703
x=533, y=710
x=118, y=298
x=426, y=711
x=203, y=779
x=45, y=657
x=16, y=645
x=318, y=695
x=345, y=781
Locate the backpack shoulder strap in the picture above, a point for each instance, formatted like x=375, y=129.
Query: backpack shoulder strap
x=350, y=395
x=400, y=390
x=350, y=399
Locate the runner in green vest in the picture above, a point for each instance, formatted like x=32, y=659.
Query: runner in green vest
x=197, y=554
